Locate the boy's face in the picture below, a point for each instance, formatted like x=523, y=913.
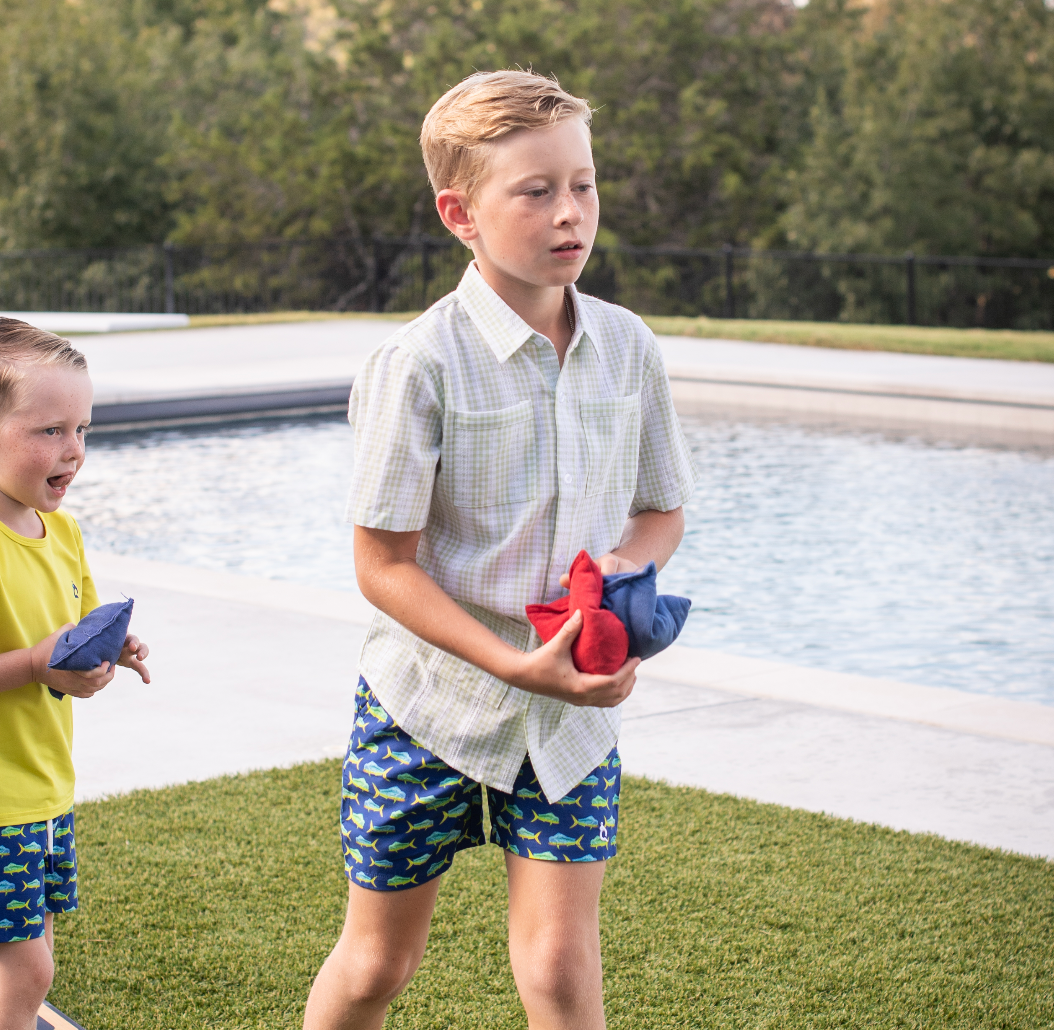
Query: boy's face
x=534, y=217
x=42, y=441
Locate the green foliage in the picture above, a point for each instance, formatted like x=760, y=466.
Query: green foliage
x=214, y=904
x=883, y=126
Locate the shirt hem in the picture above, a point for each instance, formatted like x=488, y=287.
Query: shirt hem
x=36, y=815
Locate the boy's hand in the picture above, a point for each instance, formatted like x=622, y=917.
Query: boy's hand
x=132, y=655
x=550, y=671
x=79, y=684
x=608, y=564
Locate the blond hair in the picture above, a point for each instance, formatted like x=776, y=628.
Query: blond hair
x=482, y=109
x=23, y=346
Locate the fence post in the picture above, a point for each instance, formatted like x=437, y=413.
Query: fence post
x=730, y=293
x=909, y=269
x=170, y=279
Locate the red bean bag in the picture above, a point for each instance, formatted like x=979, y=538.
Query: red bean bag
x=603, y=644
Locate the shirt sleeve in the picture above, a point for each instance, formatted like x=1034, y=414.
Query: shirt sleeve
x=89, y=595
x=666, y=474
x=398, y=422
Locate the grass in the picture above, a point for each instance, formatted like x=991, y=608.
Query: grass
x=1009, y=344
x=213, y=905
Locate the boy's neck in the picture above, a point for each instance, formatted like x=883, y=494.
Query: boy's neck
x=543, y=308
x=20, y=519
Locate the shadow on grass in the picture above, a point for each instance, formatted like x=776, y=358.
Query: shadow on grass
x=214, y=904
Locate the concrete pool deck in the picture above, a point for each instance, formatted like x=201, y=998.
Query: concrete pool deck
x=252, y=673
x=201, y=374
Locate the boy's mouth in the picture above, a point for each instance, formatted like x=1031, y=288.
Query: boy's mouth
x=59, y=483
x=568, y=251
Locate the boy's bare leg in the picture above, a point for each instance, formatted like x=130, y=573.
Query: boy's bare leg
x=554, y=941
x=380, y=948
x=26, y=970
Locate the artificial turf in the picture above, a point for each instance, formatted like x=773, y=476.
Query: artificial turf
x=214, y=904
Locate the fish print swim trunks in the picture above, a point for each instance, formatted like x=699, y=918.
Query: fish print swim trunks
x=38, y=874
x=405, y=813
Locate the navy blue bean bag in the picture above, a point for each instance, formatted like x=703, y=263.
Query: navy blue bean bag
x=99, y=637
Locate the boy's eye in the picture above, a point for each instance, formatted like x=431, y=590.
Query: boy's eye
x=51, y=430
x=536, y=193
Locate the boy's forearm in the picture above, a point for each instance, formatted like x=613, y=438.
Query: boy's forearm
x=651, y=536
x=16, y=668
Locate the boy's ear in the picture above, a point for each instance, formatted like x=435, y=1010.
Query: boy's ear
x=453, y=209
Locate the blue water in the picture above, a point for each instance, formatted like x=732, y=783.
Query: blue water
x=846, y=550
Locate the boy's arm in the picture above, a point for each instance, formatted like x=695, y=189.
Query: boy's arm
x=30, y=665
x=390, y=579
x=647, y=536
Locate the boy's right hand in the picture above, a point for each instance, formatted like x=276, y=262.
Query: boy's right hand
x=550, y=671
x=79, y=684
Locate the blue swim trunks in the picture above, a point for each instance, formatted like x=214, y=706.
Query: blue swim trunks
x=38, y=874
x=405, y=813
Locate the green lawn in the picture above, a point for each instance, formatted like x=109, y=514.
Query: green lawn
x=1010, y=344
x=213, y=904
x=963, y=343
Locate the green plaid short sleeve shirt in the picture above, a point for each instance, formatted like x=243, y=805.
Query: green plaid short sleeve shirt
x=467, y=428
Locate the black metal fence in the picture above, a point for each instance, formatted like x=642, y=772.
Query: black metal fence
x=387, y=274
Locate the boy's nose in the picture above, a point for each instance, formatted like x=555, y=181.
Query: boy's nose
x=570, y=213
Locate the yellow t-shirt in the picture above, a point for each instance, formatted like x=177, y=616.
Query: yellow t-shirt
x=43, y=584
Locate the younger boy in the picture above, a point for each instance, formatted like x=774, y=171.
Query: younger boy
x=512, y=425
x=45, y=587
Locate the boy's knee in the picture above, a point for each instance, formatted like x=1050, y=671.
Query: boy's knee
x=377, y=977
x=26, y=972
x=553, y=966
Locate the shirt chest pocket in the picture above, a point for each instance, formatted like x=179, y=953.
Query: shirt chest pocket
x=494, y=456
x=612, y=432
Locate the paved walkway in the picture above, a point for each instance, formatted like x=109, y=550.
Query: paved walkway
x=252, y=673
x=182, y=373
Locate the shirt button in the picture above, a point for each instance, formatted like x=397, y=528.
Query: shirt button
x=568, y=478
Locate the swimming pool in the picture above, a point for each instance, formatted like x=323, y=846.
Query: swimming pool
x=818, y=545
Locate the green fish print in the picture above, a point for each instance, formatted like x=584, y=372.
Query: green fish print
x=616, y=761
x=402, y=757
x=390, y=793
x=381, y=829
x=60, y=897
x=561, y=840
x=363, y=878
x=33, y=848
x=6, y=886
x=382, y=863
x=522, y=831
x=350, y=794
x=6, y=924
x=372, y=806
x=372, y=748
x=454, y=812
x=12, y=868
x=452, y=781
x=570, y=801
x=524, y=793
x=4, y=852
x=605, y=764
x=609, y=821
x=355, y=854
x=599, y=842
x=439, y=838
x=377, y=712
x=614, y=800
x=63, y=865
x=545, y=817
x=420, y=860
x=514, y=810
x=435, y=867
x=425, y=824
x=433, y=765
x=375, y=770
x=361, y=723
x=365, y=842
x=585, y=858
x=13, y=906
x=608, y=784
x=514, y=848
x=31, y=921
x=31, y=885
x=52, y=878
x=600, y=802
x=502, y=823
x=358, y=820
x=381, y=734
x=402, y=881
x=402, y=845
x=40, y=828
x=590, y=821
x=12, y=831
x=407, y=778
x=589, y=781
x=546, y=856
x=359, y=783
x=355, y=760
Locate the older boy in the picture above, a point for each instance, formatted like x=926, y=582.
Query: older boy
x=513, y=424
x=45, y=587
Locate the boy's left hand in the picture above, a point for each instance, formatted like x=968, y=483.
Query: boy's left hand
x=132, y=655
x=608, y=564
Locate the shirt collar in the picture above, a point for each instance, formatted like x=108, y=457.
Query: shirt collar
x=504, y=331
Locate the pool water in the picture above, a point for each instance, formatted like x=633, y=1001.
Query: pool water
x=847, y=550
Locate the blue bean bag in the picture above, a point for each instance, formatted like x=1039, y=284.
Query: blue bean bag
x=652, y=620
x=97, y=638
